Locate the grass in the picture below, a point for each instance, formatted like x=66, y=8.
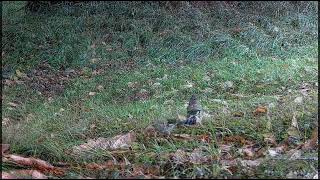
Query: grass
x=267, y=60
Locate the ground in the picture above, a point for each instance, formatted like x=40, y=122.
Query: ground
x=73, y=73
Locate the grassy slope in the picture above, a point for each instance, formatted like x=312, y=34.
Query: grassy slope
x=269, y=56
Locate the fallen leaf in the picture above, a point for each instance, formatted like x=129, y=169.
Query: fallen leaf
x=179, y=157
x=146, y=170
x=313, y=142
x=117, y=142
x=38, y=164
x=183, y=136
x=95, y=166
x=204, y=138
x=260, y=110
x=248, y=152
x=110, y=164
x=237, y=139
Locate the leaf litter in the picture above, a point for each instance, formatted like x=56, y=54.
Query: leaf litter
x=117, y=142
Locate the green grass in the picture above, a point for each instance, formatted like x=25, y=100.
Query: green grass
x=273, y=53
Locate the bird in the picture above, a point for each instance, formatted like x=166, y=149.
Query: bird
x=194, y=110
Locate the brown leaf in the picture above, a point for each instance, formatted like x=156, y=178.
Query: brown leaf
x=187, y=137
x=237, y=139
x=260, y=110
x=204, y=138
x=5, y=148
x=248, y=152
x=110, y=164
x=95, y=166
x=38, y=164
x=146, y=170
x=313, y=142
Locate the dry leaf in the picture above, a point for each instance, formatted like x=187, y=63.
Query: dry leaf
x=204, y=138
x=180, y=156
x=38, y=164
x=260, y=110
x=117, y=142
x=146, y=170
x=313, y=142
x=183, y=136
x=237, y=139
x=248, y=152
x=110, y=164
